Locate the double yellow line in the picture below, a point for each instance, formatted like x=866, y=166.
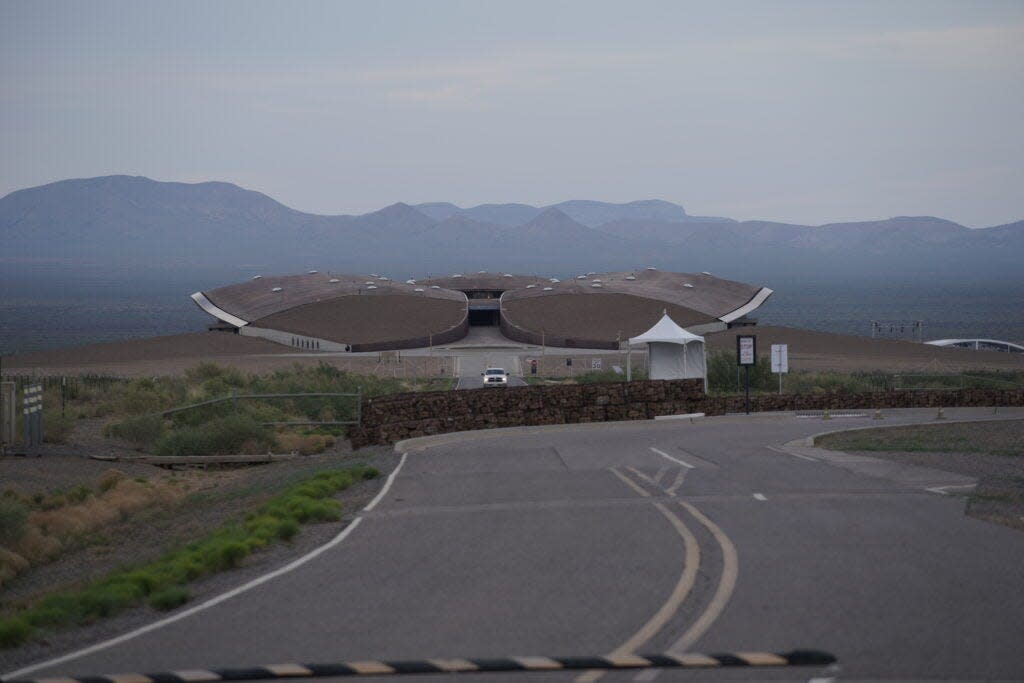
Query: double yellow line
x=687, y=579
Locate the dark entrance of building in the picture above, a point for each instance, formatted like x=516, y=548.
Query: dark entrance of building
x=484, y=306
x=483, y=316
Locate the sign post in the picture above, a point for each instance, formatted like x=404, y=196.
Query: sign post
x=780, y=361
x=746, y=355
x=32, y=416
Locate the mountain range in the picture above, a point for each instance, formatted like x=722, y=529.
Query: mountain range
x=124, y=223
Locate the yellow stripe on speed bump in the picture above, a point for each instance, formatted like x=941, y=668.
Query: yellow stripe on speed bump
x=130, y=678
x=284, y=670
x=762, y=659
x=627, y=661
x=454, y=665
x=693, y=659
x=538, y=663
x=370, y=667
x=196, y=675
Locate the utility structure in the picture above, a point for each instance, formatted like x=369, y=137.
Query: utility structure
x=898, y=329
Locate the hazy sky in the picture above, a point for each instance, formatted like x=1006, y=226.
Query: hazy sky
x=795, y=111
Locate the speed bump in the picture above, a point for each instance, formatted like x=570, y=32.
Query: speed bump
x=456, y=666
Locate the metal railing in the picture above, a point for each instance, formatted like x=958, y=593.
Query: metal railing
x=234, y=398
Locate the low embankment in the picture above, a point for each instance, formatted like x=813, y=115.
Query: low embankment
x=392, y=418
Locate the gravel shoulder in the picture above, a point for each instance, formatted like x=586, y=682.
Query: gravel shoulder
x=999, y=496
x=214, y=497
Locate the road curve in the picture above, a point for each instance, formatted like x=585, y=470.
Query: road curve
x=707, y=535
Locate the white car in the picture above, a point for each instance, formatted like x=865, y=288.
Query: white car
x=495, y=377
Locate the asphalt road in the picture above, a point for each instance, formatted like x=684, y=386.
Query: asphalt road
x=704, y=536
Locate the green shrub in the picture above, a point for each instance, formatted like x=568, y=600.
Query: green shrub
x=55, y=610
x=144, y=430
x=14, y=631
x=57, y=428
x=137, y=400
x=169, y=598
x=203, y=372
x=108, y=598
x=225, y=435
x=723, y=376
x=78, y=494
x=13, y=517
x=604, y=376
x=230, y=554
x=161, y=581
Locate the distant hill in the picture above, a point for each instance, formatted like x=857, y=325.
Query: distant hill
x=590, y=213
x=123, y=222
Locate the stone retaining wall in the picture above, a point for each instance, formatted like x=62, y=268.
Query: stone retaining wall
x=392, y=418
x=403, y=416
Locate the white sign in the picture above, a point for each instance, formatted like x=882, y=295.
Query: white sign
x=780, y=358
x=746, y=350
x=595, y=363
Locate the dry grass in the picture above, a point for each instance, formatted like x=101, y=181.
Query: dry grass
x=304, y=444
x=57, y=523
x=11, y=564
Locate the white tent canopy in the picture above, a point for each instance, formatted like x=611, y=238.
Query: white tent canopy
x=673, y=352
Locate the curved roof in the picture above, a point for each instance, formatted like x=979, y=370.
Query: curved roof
x=600, y=308
x=483, y=280
x=361, y=320
x=982, y=344
x=246, y=302
x=703, y=293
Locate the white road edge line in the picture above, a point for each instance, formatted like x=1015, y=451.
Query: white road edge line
x=941, y=490
x=387, y=485
x=295, y=564
x=760, y=496
x=669, y=457
x=795, y=455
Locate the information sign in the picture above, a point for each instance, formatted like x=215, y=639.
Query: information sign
x=780, y=358
x=746, y=350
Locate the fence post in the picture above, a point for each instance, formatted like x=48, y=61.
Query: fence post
x=359, y=406
x=8, y=392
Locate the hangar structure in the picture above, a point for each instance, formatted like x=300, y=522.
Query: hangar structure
x=354, y=313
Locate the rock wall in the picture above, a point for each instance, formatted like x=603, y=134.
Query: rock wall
x=403, y=416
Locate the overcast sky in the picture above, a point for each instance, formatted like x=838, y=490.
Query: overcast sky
x=806, y=112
